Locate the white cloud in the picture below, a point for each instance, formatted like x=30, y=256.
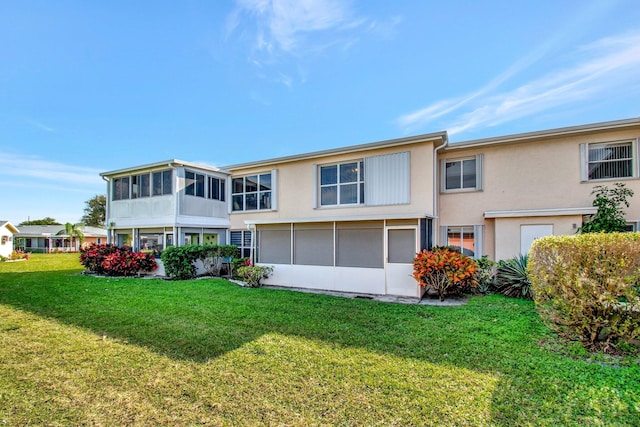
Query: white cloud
x=608, y=65
x=283, y=24
x=20, y=166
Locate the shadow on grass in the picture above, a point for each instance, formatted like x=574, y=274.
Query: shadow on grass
x=203, y=319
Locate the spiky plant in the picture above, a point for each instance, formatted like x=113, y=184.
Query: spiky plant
x=512, y=278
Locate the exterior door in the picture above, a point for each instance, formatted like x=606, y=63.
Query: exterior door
x=402, y=246
x=529, y=233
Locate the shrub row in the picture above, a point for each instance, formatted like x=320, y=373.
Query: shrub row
x=179, y=261
x=112, y=260
x=589, y=286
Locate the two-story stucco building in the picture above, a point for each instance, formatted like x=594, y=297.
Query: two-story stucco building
x=353, y=218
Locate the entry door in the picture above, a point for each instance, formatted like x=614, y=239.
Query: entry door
x=529, y=233
x=402, y=246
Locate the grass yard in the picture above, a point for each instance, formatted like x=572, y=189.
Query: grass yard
x=77, y=350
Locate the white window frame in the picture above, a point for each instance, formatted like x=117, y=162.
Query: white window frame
x=584, y=160
x=259, y=193
x=479, y=167
x=478, y=237
x=246, y=242
x=359, y=183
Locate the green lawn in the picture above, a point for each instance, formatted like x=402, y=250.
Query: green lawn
x=101, y=351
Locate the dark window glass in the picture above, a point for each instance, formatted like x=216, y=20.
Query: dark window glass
x=328, y=175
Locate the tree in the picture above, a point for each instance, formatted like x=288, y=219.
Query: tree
x=44, y=221
x=95, y=211
x=610, y=215
x=74, y=231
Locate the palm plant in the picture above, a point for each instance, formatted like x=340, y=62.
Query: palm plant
x=74, y=231
x=512, y=278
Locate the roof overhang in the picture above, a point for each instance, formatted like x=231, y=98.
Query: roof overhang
x=440, y=138
x=345, y=218
x=540, y=212
x=171, y=163
x=524, y=137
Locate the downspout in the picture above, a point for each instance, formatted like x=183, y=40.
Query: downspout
x=108, y=211
x=436, y=192
x=176, y=209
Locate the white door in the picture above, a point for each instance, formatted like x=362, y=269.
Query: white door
x=529, y=233
x=402, y=246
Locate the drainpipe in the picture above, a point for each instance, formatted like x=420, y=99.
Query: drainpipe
x=436, y=192
x=176, y=210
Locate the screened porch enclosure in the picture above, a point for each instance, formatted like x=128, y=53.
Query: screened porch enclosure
x=353, y=256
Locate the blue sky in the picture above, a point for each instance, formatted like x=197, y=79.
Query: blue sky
x=91, y=86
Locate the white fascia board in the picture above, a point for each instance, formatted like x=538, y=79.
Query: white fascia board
x=171, y=163
x=379, y=217
x=523, y=137
x=440, y=138
x=540, y=212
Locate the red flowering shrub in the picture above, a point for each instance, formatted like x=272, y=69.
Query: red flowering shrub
x=115, y=261
x=445, y=271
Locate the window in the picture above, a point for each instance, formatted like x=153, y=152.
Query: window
x=342, y=184
x=162, y=183
x=360, y=245
x=611, y=160
x=140, y=186
x=194, y=184
x=251, y=193
x=121, y=188
x=216, y=188
x=461, y=174
x=274, y=244
x=242, y=239
x=462, y=238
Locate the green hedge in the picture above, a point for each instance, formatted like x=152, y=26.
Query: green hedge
x=179, y=261
x=589, y=286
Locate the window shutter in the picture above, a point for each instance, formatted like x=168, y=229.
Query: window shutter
x=387, y=179
x=227, y=183
x=584, y=163
x=479, y=172
x=478, y=241
x=315, y=186
x=274, y=189
x=636, y=161
x=443, y=175
x=443, y=236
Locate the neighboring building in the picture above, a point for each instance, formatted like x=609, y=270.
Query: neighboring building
x=353, y=218
x=7, y=230
x=53, y=238
x=157, y=205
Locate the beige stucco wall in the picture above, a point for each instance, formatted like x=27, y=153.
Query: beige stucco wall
x=295, y=192
x=543, y=173
x=506, y=233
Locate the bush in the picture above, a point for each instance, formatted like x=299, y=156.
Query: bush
x=445, y=271
x=588, y=285
x=111, y=260
x=253, y=274
x=179, y=261
x=485, y=269
x=512, y=278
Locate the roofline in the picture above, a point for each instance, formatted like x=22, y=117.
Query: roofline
x=522, y=137
x=170, y=163
x=343, y=150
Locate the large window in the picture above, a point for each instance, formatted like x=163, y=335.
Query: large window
x=194, y=184
x=250, y=193
x=462, y=238
x=460, y=174
x=140, y=186
x=242, y=239
x=609, y=161
x=342, y=184
x=121, y=188
x=162, y=183
x=216, y=188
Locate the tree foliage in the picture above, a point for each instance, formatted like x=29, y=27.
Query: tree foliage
x=44, y=221
x=610, y=215
x=95, y=211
